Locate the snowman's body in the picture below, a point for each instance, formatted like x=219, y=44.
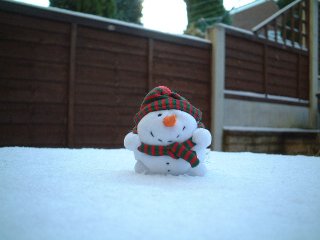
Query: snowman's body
x=162, y=128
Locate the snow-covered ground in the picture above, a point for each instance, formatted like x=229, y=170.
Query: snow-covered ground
x=94, y=194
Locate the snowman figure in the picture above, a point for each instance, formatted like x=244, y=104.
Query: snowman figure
x=168, y=137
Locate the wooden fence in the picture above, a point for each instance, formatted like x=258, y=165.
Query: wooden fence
x=75, y=80
x=273, y=59
x=261, y=66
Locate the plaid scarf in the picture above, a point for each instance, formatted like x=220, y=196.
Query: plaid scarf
x=175, y=150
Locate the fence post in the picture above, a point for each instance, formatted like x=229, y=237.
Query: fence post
x=217, y=36
x=72, y=63
x=313, y=66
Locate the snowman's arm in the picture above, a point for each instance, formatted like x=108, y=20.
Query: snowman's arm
x=132, y=141
x=201, y=137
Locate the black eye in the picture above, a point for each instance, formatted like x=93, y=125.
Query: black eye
x=160, y=114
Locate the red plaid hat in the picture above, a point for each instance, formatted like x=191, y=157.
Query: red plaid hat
x=162, y=98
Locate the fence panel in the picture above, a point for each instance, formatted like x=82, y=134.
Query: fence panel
x=33, y=78
x=282, y=72
x=72, y=80
x=261, y=66
x=244, y=64
x=111, y=72
x=186, y=69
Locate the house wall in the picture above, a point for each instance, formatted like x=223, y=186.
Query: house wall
x=249, y=16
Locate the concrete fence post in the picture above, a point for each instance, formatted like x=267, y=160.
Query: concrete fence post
x=313, y=66
x=217, y=36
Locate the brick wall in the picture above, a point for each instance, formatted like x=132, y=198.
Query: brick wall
x=280, y=142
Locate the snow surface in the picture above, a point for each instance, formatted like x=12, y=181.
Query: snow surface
x=95, y=194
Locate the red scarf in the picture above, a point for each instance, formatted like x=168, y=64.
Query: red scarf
x=175, y=150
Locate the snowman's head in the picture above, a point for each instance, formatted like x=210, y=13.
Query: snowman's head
x=166, y=117
x=165, y=127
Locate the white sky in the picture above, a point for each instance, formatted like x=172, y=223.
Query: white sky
x=175, y=19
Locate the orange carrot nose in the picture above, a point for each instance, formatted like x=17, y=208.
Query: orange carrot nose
x=170, y=121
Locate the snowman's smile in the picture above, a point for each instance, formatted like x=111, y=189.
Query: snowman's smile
x=169, y=141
